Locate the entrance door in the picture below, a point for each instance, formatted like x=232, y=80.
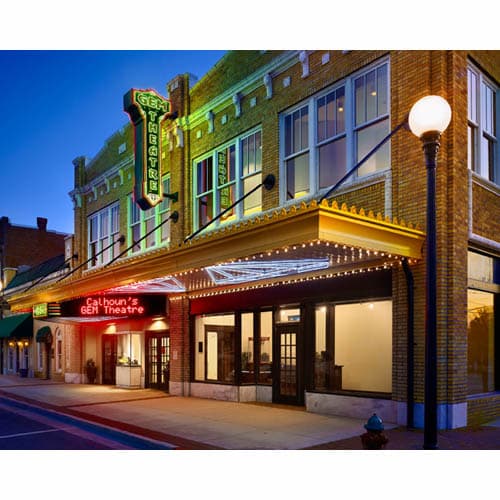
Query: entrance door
x=158, y=360
x=109, y=359
x=287, y=384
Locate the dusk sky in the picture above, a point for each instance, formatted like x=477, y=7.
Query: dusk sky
x=60, y=104
x=57, y=105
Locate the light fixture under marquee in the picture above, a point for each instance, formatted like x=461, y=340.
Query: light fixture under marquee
x=304, y=261
x=239, y=272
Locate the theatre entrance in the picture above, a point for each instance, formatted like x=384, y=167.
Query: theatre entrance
x=157, y=360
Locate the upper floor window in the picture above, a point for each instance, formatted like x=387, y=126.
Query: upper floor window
x=103, y=233
x=323, y=137
x=482, y=125
x=149, y=224
x=225, y=175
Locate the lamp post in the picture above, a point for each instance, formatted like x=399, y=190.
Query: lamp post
x=429, y=117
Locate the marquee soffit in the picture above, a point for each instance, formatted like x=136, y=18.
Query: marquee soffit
x=307, y=240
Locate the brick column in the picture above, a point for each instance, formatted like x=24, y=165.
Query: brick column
x=179, y=346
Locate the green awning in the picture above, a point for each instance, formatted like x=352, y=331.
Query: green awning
x=19, y=326
x=43, y=333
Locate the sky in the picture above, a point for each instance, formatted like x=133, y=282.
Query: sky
x=61, y=104
x=64, y=68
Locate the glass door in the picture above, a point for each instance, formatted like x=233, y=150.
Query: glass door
x=158, y=360
x=287, y=386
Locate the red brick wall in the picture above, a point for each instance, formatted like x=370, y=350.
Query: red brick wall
x=31, y=246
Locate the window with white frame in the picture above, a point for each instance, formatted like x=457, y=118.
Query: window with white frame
x=225, y=175
x=151, y=224
x=324, y=136
x=103, y=233
x=482, y=126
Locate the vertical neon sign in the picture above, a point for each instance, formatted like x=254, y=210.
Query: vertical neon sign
x=147, y=110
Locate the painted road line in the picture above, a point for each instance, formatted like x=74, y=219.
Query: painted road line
x=108, y=435
x=22, y=434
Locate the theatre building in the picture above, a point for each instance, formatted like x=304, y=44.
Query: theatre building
x=242, y=263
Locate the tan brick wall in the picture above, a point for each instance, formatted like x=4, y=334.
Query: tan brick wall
x=413, y=75
x=179, y=339
x=482, y=410
x=485, y=204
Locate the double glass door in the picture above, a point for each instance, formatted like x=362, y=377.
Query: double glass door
x=158, y=360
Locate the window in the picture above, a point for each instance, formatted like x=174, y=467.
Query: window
x=266, y=348
x=331, y=137
x=225, y=175
x=103, y=230
x=215, y=348
x=247, y=349
x=480, y=342
x=482, y=324
x=346, y=336
x=482, y=126
x=297, y=152
x=372, y=119
x=325, y=136
x=144, y=222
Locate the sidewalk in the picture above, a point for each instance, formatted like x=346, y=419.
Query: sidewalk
x=204, y=424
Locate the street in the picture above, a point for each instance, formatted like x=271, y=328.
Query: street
x=25, y=428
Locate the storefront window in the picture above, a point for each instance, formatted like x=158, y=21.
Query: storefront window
x=247, y=350
x=215, y=348
x=129, y=349
x=266, y=348
x=354, y=347
x=481, y=342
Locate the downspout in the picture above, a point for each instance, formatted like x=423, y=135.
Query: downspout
x=410, y=341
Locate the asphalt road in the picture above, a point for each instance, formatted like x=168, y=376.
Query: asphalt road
x=28, y=428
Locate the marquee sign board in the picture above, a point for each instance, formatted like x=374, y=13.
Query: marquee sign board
x=118, y=305
x=147, y=110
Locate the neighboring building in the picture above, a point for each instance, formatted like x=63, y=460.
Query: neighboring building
x=27, y=256
x=23, y=247
x=287, y=297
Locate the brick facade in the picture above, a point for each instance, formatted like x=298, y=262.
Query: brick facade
x=465, y=204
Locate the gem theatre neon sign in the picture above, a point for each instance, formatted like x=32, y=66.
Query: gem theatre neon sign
x=147, y=110
x=118, y=305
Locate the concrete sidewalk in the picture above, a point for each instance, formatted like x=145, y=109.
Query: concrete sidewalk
x=203, y=424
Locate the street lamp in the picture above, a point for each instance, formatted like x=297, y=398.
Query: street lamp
x=429, y=117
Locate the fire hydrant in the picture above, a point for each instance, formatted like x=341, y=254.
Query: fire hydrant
x=374, y=438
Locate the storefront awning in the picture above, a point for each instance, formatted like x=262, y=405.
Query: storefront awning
x=43, y=334
x=19, y=326
x=305, y=241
